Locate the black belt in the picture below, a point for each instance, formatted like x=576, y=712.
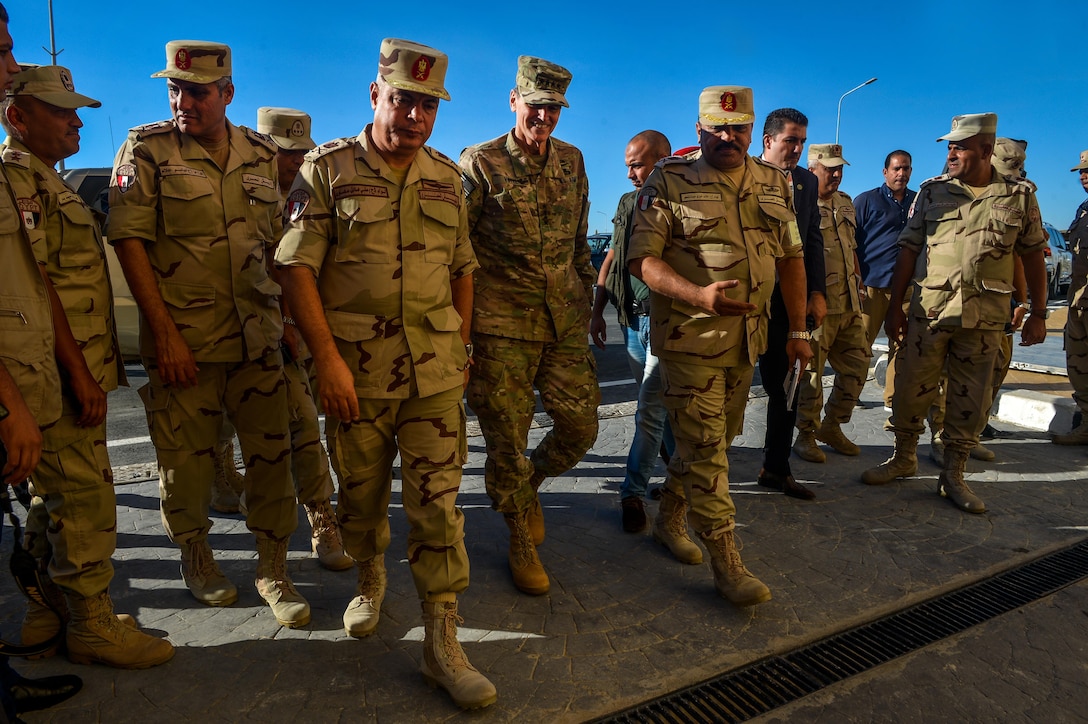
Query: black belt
x=641, y=308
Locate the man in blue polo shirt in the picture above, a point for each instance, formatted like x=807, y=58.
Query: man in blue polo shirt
x=882, y=214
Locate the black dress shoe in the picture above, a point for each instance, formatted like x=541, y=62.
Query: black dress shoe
x=786, y=484
x=34, y=694
x=634, y=515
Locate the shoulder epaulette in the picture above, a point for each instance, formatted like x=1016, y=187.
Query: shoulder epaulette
x=259, y=138
x=150, y=129
x=442, y=158
x=942, y=177
x=671, y=160
x=1022, y=181
x=16, y=157
x=330, y=146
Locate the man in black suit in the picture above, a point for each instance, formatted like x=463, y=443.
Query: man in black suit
x=784, y=134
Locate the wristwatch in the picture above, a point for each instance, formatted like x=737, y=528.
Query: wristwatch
x=469, y=349
x=1044, y=313
x=804, y=334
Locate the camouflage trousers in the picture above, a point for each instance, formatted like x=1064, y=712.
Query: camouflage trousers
x=1076, y=356
x=185, y=426
x=73, y=518
x=970, y=356
x=706, y=411
x=841, y=340
x=500, y=392
x=309, y=463
x=1001, y=368
x=429, y=434
x=874, y=308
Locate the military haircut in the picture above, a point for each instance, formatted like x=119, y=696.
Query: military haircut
x=656, y=141
x=777, y=120
x=893, y=154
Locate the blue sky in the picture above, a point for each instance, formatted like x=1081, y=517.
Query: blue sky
x=636, y=65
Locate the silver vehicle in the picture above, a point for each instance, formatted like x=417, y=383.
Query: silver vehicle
x=1059, y=263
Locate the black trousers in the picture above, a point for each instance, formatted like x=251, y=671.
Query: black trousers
x=774, y=365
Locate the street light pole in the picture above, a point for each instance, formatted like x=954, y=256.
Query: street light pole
x=838, y=113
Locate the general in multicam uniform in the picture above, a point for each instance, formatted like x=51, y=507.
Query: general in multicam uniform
x=528, y=208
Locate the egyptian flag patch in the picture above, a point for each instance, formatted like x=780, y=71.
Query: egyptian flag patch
x=31, y=211
x=646, y=198
x=297, y=203
x=126, y=177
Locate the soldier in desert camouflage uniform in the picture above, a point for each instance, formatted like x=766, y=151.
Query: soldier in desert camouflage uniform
x=528, y=207
x=841, y=338
x=378, y=268
x=957, y=249
x=289, y=129
x=73, y=483
x=710, y=231
x=1076, y=325
x=194, y=214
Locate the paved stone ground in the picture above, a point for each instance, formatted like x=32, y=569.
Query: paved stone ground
x=624, y=622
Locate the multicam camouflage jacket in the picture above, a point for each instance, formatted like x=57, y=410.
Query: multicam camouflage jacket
x=535, y=280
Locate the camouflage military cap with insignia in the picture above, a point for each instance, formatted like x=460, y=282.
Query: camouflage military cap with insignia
x=970, y=124
x=197, y=61
x=1083, y=162
x=828, y=155
x=1009, y=156
x=540, y=82
x=413, y=67
x=50, y=84
x=287, y=127
x=726, y=105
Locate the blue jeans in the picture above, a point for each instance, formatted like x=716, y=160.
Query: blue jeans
x=651, y=425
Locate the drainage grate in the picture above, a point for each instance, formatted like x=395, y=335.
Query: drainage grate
x=767, y=684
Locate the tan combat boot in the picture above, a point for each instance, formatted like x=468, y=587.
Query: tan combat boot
x=95, y=635
x=832, y=434
x=525, y=566
x=951, y=485
x=275, y=586
x=903, y=462
x=361, y=615
x=41, y=623
x=671, y=529
x=806, y=448
x=1077, y=436
x=983, y=453
x=325, y=539
x=229, y=483
x=444, y=662
x=203, y=577
x=732, y=579
x=534, y=517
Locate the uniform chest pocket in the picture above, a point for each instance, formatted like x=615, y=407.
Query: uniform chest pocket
x=440, y=220
x=935, y=217
x=81, y=240
x=365, y=230
x=263, y=221
x=702, y=219
x=775, y=216
x=1003, y=229
x=189, y=206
